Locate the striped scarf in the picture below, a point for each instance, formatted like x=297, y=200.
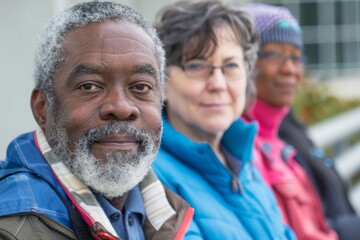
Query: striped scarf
x=157, y=208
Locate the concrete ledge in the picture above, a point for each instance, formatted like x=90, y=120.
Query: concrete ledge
x=348, y=163
x=344, y=88
x=336, y=128
x=354, y=196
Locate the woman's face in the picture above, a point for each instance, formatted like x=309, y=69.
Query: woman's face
x=200, y=104
x=277, y=78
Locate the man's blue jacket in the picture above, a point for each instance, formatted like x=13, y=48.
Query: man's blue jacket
x=28, y=201
x=33, y=193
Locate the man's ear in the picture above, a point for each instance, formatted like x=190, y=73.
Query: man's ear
x=39, y=107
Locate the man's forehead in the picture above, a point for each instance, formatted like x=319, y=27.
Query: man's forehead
x=110, y=37
x=118, y=45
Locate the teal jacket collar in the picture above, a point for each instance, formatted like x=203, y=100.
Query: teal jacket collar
x=238, y=141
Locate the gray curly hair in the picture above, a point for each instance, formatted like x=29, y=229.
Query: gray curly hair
x=51, y=54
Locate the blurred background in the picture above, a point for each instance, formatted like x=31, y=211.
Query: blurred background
x=328, y=100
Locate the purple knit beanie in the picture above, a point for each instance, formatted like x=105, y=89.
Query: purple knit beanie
x=275, y=24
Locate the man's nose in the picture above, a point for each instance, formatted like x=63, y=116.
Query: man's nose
x=117, y=105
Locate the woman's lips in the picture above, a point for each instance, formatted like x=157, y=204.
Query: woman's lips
x=214, y=106
x=288, y=87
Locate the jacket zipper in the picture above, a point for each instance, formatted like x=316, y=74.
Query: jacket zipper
x=236, y=185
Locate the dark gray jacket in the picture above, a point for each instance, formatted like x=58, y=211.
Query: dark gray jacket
x=32, y=226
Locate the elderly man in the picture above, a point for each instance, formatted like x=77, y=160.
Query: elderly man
x=85, y=173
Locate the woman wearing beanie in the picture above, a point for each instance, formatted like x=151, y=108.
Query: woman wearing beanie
x=277, y=73
x=206, y=150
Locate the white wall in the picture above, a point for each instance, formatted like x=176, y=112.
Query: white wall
x=21, y=22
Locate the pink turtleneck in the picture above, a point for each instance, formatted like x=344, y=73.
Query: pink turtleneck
x=297, y=198
x=268, y=143
x=269, y=118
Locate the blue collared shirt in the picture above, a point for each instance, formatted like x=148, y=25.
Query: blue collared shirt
x=129, y=225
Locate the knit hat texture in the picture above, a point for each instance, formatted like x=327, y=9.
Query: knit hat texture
x=275, y=24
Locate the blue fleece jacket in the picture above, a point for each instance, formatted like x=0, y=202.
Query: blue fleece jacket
x=24, y=159
x=227, y=205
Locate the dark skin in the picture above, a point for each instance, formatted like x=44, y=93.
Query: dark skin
x=277, y=84
x=111, y=73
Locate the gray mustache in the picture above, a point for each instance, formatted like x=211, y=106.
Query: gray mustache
x=93, y=135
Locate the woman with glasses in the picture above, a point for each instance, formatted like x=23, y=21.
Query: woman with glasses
x=206, y=151
x=277, y=73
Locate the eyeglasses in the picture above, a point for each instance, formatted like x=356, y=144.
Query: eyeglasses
x=280, y=58
x=202, y=69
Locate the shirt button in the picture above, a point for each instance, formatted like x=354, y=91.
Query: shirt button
x=131, y=221
x=115, y=217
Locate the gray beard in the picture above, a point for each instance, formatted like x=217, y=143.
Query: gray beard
x=120, y=172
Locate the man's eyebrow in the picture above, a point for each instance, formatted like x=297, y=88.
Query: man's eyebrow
x=83, y=69
x=146, y=69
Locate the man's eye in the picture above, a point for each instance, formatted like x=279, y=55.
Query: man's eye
x=89, y=87
x=141, y=88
